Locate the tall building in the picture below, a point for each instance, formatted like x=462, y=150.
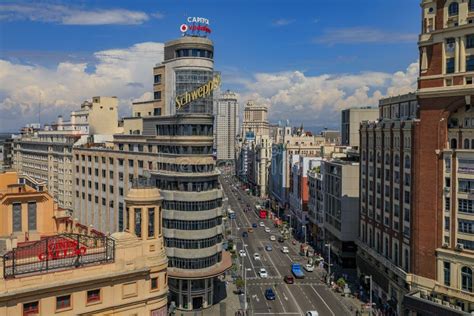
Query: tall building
x=350, y=123
x=174, y=151
x=442, y=278
x=51, y=264
x=46, y=154
x=6, y=151
x=226, y=125
x=387, y=237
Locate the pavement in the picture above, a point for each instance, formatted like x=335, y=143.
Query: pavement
x=310, y=293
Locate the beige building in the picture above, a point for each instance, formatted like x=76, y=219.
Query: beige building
x=46, y=154
x=226, y=125
x=66, y=268
x=350, y=123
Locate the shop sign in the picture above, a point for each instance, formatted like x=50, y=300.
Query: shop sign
x=201, y=92
x=196, y=26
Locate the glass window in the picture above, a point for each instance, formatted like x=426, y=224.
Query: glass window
x=466, y=279
x=63, y=302
x=138, y=222
x=450, y=65
x=453, y=9
x=470, y=63
x=154, y=283
x=157, y=78
x=16, y=210
x=471, y=5
x=151, y=222
x=157, y=95
x=93, y=296
x=31, y=308
x=447, y=273
x=31, y=215
x=120, y=217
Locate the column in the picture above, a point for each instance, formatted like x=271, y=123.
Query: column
x=462, y=54
x=424, y=59
x=456, y=56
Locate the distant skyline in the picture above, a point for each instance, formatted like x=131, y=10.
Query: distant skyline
x=307, y=60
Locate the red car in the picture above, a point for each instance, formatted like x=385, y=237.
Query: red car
x=289, y=279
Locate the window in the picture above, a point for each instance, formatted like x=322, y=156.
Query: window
x=450, y=65
x=151, y=222
x=466, y=279
x=138, y=222
x=470, y=40
x=31, y=308
x=446, y=223
x=407, y=161
x=63, y=302
x=453, y=9
x=154, y=283
x=397, y=160
x=470, y=63
x=16, y=210
x=157, y=95
x=130, y=163
x=93, y=296
x=31, y=215
x=454, y=143
x=157, y=78
x=447, y=273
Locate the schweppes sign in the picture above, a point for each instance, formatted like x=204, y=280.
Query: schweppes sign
x=201, y=92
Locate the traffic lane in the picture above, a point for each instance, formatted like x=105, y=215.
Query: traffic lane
x=323, y=293
x=261, y=305
x=308, y=300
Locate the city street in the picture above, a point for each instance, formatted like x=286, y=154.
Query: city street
x=304, y=295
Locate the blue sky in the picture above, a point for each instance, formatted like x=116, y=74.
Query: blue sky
x=271, y=51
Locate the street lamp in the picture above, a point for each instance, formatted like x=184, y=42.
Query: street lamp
x=369, y=277
x=329, y=263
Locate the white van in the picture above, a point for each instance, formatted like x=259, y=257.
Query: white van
x=284, y=249
x=312, y=313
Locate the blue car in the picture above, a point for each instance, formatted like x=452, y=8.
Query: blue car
x=268, y=247
x=269, y=294
x=254, y=225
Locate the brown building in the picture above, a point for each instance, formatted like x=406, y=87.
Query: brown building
x=53, y=265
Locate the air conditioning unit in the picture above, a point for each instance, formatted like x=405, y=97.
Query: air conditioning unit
x=445, y=245
x=459, y=247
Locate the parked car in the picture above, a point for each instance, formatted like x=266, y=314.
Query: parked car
x=289, y=279
x=270, y=294
x=242, y=253
x=256, y=256
x=268, y=247
x=263, y=273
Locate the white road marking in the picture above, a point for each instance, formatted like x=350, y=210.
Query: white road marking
x=323, y=301
x=294, y=300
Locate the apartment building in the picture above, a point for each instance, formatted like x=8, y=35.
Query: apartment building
x=316, y=207
x=226, y=125
x=46, y=154
x=52, y=264
x=386, y=244
x=442, y=279
x=350, y=123
x=6, y=151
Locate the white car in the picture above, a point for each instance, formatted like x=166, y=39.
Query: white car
x=267, y=229
x=312, y=313
x=309, y=267
x=272, y=238
x=261, y=224
x=284, y=249
x=263, y=273
x=242, y=253
x=256, y=256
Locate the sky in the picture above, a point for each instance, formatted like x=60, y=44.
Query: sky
x=306, y=60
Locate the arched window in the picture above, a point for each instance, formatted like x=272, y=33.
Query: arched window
x=454, y=143
x=407, y=161
x=466, y=143
x=453, y=9
x=397, y=160
x=466, y=279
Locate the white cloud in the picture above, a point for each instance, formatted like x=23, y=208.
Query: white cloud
x=60, y=14
x=318, y=100
x=282, y=22
x=125, y=73
x=363, y=35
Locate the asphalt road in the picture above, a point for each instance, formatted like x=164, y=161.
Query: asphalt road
x=291, y=299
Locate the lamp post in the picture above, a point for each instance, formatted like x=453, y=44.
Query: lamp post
x=329, y=263
x=369, y=277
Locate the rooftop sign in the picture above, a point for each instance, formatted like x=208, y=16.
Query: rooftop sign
x=201, y=92
x=196, y=26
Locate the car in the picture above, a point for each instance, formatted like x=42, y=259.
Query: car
x=263, y=273
x=267, y=229
x=254, y=225
x=242, y=253
x=309, y=267
x=250, y=230
x=272, y=238
x=268, y=247
x=281, y=239
x=284, y=249
x=245, y=234
x=261, y=224
x=270, y=294
x=289, y=279
x=256, y=256
x=311, y=313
